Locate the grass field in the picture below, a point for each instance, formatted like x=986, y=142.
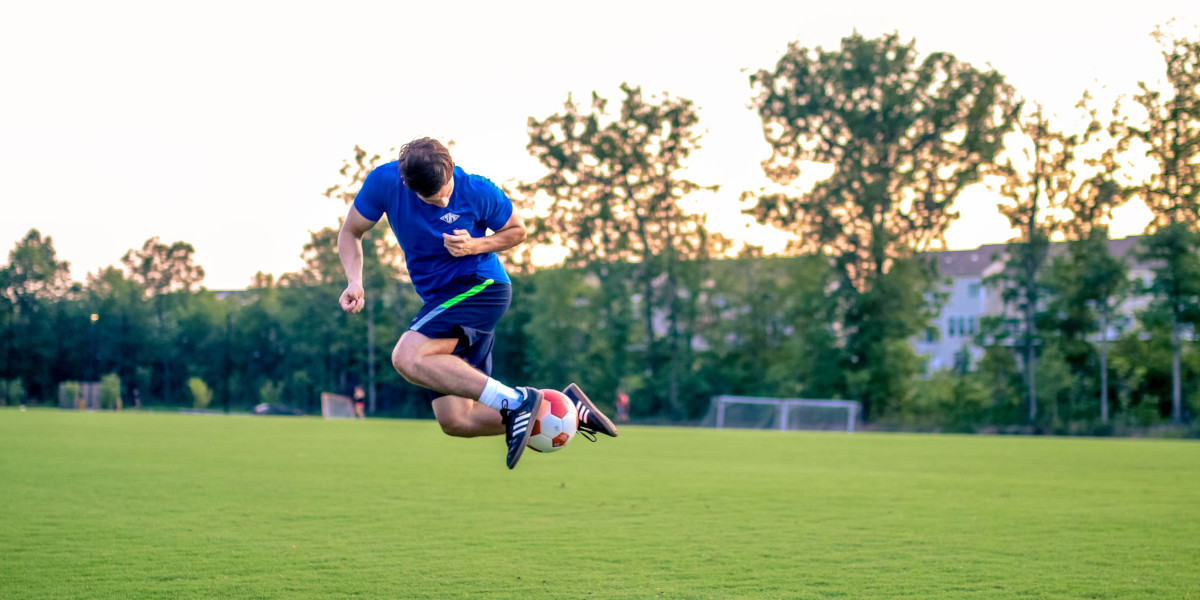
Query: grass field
x=170, y=506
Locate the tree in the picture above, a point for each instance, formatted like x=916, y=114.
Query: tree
x=904, y=138
x=162, y=269
x=1089, y=285
x=1170, y=135
x=612, y=193
x=1088, y=282
x=126, y=321
x=1176, y=293
x=1040, y=179
x=32, y=282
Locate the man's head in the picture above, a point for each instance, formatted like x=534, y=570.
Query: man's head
x=428, y=170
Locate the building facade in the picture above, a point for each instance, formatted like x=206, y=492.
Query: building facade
x=969, y=299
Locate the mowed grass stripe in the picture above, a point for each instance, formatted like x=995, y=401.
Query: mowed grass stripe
x=136, y=505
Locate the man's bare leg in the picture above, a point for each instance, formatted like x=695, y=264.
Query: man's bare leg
x=463, y=417
x=430, y=363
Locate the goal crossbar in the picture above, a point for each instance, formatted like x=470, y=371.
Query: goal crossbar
x=853, y=408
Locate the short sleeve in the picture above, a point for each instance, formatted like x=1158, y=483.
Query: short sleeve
x=371, y=200
x=496, y=208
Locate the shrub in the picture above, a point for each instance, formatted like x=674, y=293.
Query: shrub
x=69, y=394
x=201, y=394
x=271, y=393
x=110, y=391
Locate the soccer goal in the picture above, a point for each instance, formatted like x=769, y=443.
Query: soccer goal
x=785, y=413
x=335, y=406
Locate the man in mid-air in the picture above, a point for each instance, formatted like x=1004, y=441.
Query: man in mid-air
x=441, y=215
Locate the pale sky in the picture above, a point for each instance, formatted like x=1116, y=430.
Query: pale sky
x=220, y=123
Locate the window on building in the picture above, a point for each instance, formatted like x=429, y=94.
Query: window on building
x=950, y=327
x=973, y=290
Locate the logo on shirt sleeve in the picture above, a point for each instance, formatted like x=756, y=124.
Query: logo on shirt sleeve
x=449, y=217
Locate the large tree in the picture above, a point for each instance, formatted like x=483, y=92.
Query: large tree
x=1088, y=282
x=1170, y=136
x=162, y=270
x=1036, y=176
x=612, y=193
x=30, y=284
x=905, y=136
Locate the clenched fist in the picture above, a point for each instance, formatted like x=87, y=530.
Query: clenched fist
x=353, y=299
x=459, y=244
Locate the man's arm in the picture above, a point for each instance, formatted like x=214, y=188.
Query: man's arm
x=350, y=251
x=462, y=244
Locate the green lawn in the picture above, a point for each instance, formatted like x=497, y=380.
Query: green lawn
x=170, y=506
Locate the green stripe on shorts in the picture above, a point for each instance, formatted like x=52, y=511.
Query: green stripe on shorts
x=451, y=302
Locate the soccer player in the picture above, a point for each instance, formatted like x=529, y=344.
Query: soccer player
x=440, y=215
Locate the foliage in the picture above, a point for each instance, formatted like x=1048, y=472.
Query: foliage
x=950, y=400
x=12, y=391
x=904, y=138
x=1170, y=136
x=1088, y=285
x=271, y=392
x=1174, y=250
x=162, y=268
x=613, y=192
x=110, y=391
x=68, y=393
x=1040, y=179
x=200, y=392
x=33, y=281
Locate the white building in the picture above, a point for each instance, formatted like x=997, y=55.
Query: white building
x=969, y=300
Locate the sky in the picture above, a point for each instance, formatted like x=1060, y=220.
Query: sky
x=221, y=123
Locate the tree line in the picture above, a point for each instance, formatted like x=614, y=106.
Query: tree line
x=650, y=301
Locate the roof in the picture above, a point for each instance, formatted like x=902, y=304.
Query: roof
x=973, y=263
x=967, y=263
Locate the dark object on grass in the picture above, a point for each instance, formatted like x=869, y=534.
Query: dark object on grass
x=276, y=409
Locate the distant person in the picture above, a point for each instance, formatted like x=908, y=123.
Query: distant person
x=440, y=215
x=622, y=406
x=359, y=412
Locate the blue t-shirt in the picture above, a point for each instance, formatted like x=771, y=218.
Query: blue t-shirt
x=476, y=205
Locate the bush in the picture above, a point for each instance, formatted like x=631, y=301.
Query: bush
x=110, y=391
x=13, y=391
x=69, y=394
x=271, y=393
x=201, y=394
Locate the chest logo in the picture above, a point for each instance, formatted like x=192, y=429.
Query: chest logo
x=449, y=217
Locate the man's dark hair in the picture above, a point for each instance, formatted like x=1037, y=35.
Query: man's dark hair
x=425, y=166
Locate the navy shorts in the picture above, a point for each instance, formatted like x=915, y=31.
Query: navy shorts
x=467, y=310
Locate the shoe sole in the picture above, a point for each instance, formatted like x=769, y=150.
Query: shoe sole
x=533, y=413
x=573, y=392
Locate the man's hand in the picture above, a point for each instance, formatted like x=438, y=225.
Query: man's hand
x=459, y=244
x=353, y=299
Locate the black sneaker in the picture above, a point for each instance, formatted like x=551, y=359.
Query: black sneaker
x=591, y=420
x=518, y=422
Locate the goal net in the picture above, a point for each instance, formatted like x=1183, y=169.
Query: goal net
x=784, y=414
x=335, y=406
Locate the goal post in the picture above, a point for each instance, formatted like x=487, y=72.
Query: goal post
x=792, y=413
x=336, y=406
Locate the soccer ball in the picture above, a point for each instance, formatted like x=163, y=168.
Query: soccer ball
x=555, y=424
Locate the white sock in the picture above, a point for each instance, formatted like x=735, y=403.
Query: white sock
x=495, y=393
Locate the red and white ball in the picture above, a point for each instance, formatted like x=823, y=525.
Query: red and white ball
x=555, y=423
